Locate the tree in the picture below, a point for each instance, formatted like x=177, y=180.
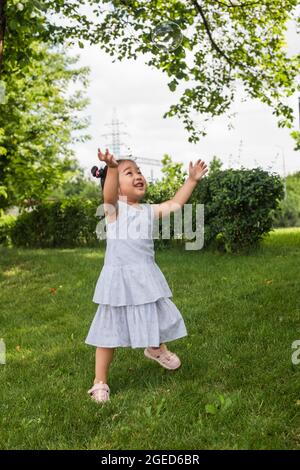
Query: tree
x=174, y=175
x=289, y=214
x=224, y=42
x=22, y=23
x=168, y=185
x=38, y=122
x=215, y=165
x=76, y=184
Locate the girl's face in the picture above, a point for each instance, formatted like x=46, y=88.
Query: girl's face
x=132, y=183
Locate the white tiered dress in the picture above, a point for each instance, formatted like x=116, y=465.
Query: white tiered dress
x=133, y=295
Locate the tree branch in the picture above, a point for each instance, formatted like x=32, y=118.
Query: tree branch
x=237, y=5
x=206, y=25
x=242, y=5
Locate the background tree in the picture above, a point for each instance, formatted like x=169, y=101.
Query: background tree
x=22, y=24
x=215, y=165
x=76, y=184
x=224, y=42
x=38, y=122
x=174, y=175
x=289, y=214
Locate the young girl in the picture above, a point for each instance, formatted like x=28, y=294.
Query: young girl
x=134, y=308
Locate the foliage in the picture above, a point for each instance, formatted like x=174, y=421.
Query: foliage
x=215, y=165
x=39, y=124
x=23, y=25
x=224, y=42
x=67, y=223
x=7, y=223
x=239, y=206
x=174, y=175
x=289, y=209
x=164, y=189
x=239, y=209
x=75, y=183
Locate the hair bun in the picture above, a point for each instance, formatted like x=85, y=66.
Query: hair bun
x=97, y=172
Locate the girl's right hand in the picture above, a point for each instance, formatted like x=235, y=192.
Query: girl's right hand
x=108, y=158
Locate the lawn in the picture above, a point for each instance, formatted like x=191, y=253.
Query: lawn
x=237, y=387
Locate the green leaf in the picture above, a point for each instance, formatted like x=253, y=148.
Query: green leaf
x=172, y=85
x=13, y=24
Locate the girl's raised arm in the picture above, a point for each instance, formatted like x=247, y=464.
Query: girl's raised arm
x=110, y=189
x=196, y=172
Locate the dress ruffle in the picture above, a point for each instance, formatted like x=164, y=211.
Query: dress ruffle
x=132, y=292
x=131, y=284
x=136, y=326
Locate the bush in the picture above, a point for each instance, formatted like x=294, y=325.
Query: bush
x=239, y=206
x=156, y=193
x=289, y=212
x=7, y=222
x=289, y=209
x=174, y=177
x=66, y=223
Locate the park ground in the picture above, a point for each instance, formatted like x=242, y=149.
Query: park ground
x=237, y=388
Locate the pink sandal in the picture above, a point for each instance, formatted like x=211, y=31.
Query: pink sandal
x=99, y=392
x=164, y=357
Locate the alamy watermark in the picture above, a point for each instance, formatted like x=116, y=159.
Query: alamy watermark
x=296, y=353
x=2, y=92
x=2, y=352
x=132, y=227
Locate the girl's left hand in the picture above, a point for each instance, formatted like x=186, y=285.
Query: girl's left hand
x=108, y=158
x=198, y=170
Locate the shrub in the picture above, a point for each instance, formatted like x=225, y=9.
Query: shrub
x=174, y=177
x=7, y=222
x=289, y=209
x=289, y=212
x=239, y=206
x=66, y=223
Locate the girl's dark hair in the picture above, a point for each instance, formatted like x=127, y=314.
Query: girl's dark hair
x=102, y=172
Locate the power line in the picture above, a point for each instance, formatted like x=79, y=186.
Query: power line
x=115, y=144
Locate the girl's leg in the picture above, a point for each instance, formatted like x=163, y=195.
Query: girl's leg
x=104, y=357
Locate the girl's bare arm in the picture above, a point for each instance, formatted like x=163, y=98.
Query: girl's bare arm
x=196, y=172
x=110, y=189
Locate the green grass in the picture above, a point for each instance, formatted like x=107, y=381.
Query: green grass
x=237, y=387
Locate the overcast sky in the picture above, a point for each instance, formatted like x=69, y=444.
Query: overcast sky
x=141, y=96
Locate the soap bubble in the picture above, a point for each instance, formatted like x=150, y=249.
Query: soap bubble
x=167, y=36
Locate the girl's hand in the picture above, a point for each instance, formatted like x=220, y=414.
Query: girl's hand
x=107, y=158
x=197, y=171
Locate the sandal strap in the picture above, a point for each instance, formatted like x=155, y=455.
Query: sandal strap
x=97, y=387
x=164, y=353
